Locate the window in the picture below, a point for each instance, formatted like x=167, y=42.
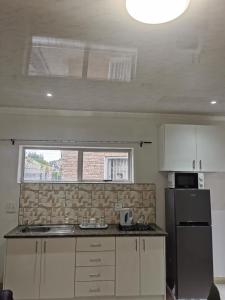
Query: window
x=52, y=164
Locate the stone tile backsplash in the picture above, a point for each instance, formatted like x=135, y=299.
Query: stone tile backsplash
x=69, y=203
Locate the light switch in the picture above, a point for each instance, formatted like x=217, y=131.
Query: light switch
x=118, y=206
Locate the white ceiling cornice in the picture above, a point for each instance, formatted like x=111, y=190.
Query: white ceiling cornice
x=75, y=113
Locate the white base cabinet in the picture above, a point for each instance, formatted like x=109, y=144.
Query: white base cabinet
x=152, y=257
x=40, y=268
x=57, y=268
x=80, y=268
x=22, y=268
x=95, y=267
x=127, y=266
x=140, y=266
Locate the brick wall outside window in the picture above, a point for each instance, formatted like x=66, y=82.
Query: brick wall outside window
x=93, y=164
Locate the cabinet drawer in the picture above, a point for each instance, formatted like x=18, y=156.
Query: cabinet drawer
x=95, y=288
x=95, y=273
x=90, y=259
x=96, y=244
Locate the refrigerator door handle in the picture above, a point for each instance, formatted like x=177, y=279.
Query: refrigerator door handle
x=192, y=223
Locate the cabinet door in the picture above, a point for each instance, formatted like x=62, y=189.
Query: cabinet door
x=211, y=148
x=127, y=266
x=22, y=268
x=152, y=266
x=178, y=145
x=57, y=268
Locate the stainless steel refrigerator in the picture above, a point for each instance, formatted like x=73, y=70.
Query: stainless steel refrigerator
x=189, y=242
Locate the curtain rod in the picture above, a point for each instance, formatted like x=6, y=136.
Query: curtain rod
x=14, y=140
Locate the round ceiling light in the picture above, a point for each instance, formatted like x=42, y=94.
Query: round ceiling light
x=156, y=11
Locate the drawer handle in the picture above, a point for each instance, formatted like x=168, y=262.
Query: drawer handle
x=94, y=275
x=96, y=245
x=144, y=244
x=95, y=290
x=36, y=247
x=95, y=260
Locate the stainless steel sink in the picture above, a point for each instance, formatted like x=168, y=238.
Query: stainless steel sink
x=62, y=228
x=57, y=229
x=34, y=228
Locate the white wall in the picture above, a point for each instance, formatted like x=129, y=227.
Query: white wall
x=28, y=124
x=216, y=183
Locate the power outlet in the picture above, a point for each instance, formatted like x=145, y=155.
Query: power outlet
x=118, y=206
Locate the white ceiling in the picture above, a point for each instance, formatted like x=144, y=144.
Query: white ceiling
x=180, y=65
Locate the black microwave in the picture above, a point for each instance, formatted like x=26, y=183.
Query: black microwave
x=181, y=180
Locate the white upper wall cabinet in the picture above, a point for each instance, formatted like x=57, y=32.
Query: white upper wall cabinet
x=191, y=148
x=177, y=147
x=211, y=148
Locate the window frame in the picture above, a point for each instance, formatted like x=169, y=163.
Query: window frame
x=81, y=150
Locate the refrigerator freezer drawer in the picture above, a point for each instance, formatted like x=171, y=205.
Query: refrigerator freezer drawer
x=194, y=261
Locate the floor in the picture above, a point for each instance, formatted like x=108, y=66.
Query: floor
x=221, y=288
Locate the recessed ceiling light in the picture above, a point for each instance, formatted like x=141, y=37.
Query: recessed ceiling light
x=213, y=102
x=49, y=95
x=156, y=11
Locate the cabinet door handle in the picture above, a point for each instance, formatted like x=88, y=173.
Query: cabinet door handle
x=94, y=275
x=35, y=260
x=136, y=244
x=36, y=247
x=200, y=164
x=44, y=260
x=94, y=290
x=95, y=245
x=143, y=244
x=193, y=164
x=95, y=260
x=45, y=246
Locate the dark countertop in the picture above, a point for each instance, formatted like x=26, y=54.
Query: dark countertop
x=112, y=230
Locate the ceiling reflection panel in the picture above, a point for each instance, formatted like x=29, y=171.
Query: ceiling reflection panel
x=93, y=56
x=54, y=57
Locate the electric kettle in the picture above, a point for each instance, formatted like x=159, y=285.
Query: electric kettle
x=126, y=216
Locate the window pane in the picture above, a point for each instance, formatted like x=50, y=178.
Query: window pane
x=117, y=168
x=100, y=166
x=69, y=165
x=50, y=165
